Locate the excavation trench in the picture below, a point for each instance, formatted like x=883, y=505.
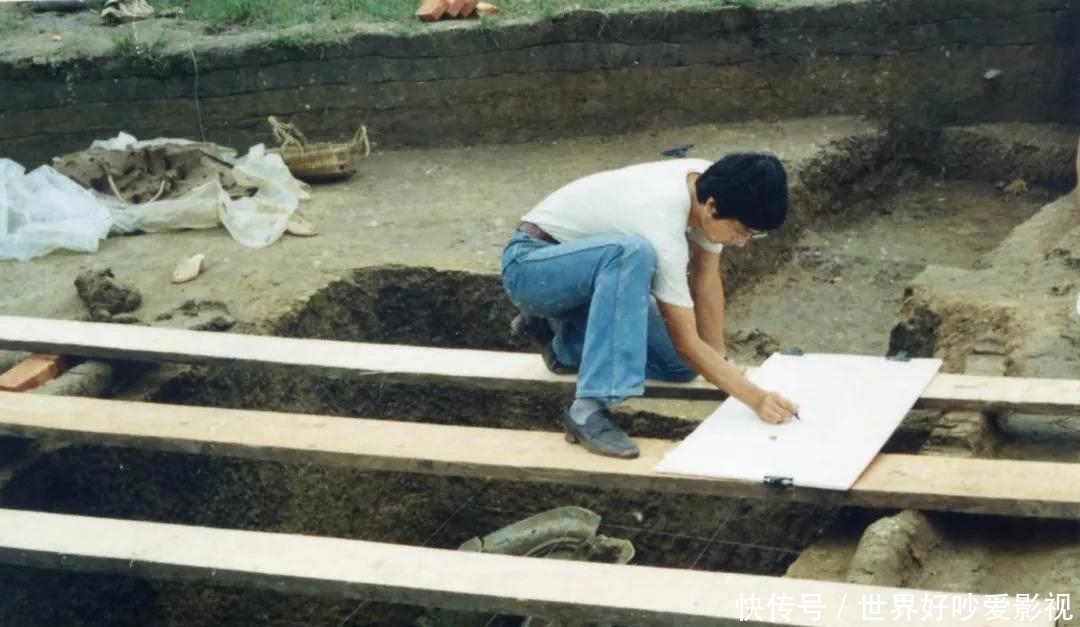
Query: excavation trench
x=877, y=221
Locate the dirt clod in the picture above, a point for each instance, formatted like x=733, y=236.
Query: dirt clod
x=104, y=296
x=201, y=315
x=917, y=335
x=757, y=340
x=139, y=175
x=893, y=549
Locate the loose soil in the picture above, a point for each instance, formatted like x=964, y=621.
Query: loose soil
x=864, y=254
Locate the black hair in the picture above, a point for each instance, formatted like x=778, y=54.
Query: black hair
x=750, y=187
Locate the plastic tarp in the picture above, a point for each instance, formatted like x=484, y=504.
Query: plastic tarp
x=43, y=211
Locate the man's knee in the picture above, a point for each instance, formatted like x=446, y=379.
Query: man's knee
x=685, y=375
x=672, y=373
x=638, y=250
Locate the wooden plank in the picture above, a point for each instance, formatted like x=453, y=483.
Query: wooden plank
x=420, y=364
x=1018, y=488
x=560, y=589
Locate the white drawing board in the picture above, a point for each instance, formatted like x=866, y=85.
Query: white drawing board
x=849, y=405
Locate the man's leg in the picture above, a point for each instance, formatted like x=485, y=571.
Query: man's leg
x=662, y=363
x=606, y=279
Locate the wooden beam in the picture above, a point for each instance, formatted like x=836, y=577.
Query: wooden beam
x=1006, y=487
x=560, y=589
x=420, y=364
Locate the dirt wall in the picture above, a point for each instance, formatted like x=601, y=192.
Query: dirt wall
x=922, y=61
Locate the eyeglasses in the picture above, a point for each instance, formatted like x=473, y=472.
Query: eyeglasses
x=748, y=233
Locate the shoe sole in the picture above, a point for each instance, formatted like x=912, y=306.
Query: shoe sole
x=573, y=439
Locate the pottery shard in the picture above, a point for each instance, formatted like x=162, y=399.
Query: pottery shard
x=188, y=268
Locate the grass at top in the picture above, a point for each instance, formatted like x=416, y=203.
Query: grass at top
x=284, y=13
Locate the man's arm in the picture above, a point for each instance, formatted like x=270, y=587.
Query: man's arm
x=682, y=328
x=707, y=289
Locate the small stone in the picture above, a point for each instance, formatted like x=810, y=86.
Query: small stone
x=1016, y=188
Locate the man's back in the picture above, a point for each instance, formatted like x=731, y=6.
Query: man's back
x=647, y=199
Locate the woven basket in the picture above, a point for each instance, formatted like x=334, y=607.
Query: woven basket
x=324, y=161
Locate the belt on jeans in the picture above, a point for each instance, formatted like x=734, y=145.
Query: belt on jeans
x=532, y=230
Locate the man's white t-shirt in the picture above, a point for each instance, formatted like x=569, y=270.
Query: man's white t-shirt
x=650, y=200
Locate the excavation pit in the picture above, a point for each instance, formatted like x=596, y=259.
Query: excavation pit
x=912, y=182
x=873, y=219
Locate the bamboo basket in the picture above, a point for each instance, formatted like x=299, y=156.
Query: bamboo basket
x=323, y=161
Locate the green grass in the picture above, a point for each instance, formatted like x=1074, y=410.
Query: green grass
x=11, y=17
x=127, y=44
x=283, y=13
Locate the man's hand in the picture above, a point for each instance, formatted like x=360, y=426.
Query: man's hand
x=774, y=408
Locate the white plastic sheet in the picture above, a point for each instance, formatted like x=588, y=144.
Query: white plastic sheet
x=44, y=211
x=260, y=220
x=200, y=208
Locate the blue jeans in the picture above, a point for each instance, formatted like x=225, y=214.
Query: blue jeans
x=596, y=295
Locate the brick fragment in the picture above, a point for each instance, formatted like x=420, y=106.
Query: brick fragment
x=455, y=7
x=432, y=10
x=32, y=372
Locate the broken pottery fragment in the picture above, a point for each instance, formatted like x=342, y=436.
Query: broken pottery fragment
x=298, y=225
x=188, y=268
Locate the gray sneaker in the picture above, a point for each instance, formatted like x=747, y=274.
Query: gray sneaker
x=599, y=435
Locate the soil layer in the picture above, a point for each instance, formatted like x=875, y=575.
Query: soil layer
x=922, y=62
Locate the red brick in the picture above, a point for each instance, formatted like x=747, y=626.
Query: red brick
x=32, y=372
x=431, y=10
x=455, y=8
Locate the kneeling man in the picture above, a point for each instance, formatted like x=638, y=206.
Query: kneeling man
x=618, y=275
